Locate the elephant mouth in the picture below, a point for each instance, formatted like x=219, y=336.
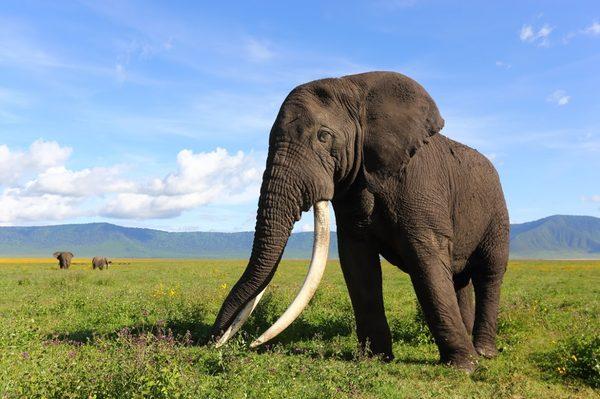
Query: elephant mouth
x=314, y=275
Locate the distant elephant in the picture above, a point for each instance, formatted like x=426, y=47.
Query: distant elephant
x=64, y=259
x=100, y=262
x=433, y=207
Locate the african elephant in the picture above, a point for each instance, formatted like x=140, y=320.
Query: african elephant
x=64, y=259
x=370, y=144
x=100, y=262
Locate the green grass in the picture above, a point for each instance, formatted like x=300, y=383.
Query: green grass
x=137, y=329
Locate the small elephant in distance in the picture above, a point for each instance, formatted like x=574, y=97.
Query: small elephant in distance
x=64, y=259
x=100, y=262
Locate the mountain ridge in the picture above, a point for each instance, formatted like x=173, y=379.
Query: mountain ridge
x=552, y=237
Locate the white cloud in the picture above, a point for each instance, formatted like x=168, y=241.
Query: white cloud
x=540, y=37
x=205, y=171
x=56, y=192
x=200, y=179
x=526, y=33
x=144, y=206
x=593, y=29
x=16, y=206
x=559, y=97
x=81, y=183
x=504, y=65
x=306, y=227
x=40, y=156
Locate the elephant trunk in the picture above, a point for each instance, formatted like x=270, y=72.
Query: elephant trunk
x=279, y=207
x=283, y=197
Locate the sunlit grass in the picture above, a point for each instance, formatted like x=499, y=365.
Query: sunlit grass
x=138, y=330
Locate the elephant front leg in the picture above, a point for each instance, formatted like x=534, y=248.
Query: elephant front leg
x=362, y=272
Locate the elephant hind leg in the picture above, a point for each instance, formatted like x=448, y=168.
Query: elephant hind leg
x=466, y=303
x=433, y=282
x=487, y=279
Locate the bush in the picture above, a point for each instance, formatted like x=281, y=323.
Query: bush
x=577, y=358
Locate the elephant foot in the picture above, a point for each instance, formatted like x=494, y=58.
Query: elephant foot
x=468, y=364
x=461, y=361
x=378, y=347
x=384, y=356
x=486, y=350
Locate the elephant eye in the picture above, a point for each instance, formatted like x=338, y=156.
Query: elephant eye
x=323, y=136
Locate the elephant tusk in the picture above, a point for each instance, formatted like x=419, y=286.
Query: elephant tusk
x=239, y=320
x=313, y=278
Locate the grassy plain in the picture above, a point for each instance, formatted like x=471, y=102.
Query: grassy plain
x=136, y=330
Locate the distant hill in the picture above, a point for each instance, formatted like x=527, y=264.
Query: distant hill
x=552, y=237
x=117, y=241
x=556, y=237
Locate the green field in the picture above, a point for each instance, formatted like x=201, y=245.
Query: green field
x=137, y=330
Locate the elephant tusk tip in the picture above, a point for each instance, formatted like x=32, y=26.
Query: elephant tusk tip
x=316, y=269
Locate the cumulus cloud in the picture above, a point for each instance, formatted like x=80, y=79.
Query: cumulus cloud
x=80, y=183
x=144, y=206
x=200, y=179
x=37, y=185
x=40, y=156
x=17, y=206
x=540, y=37
x=559, y=97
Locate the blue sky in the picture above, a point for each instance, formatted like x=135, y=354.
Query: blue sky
x=157, y=114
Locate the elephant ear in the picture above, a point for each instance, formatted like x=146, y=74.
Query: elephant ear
x=71, y=254
x=397, y=117
x=56, y=255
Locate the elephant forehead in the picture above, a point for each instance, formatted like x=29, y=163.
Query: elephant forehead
x=298, y=119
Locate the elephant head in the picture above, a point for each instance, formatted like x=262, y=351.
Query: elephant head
x=64, y=259
x=328, y=134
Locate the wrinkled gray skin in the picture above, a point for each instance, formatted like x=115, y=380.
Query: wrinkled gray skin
x=433, y=207
x=100, y=262
x=64, y=259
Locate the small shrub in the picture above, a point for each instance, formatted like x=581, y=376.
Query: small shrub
x=577, y=358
